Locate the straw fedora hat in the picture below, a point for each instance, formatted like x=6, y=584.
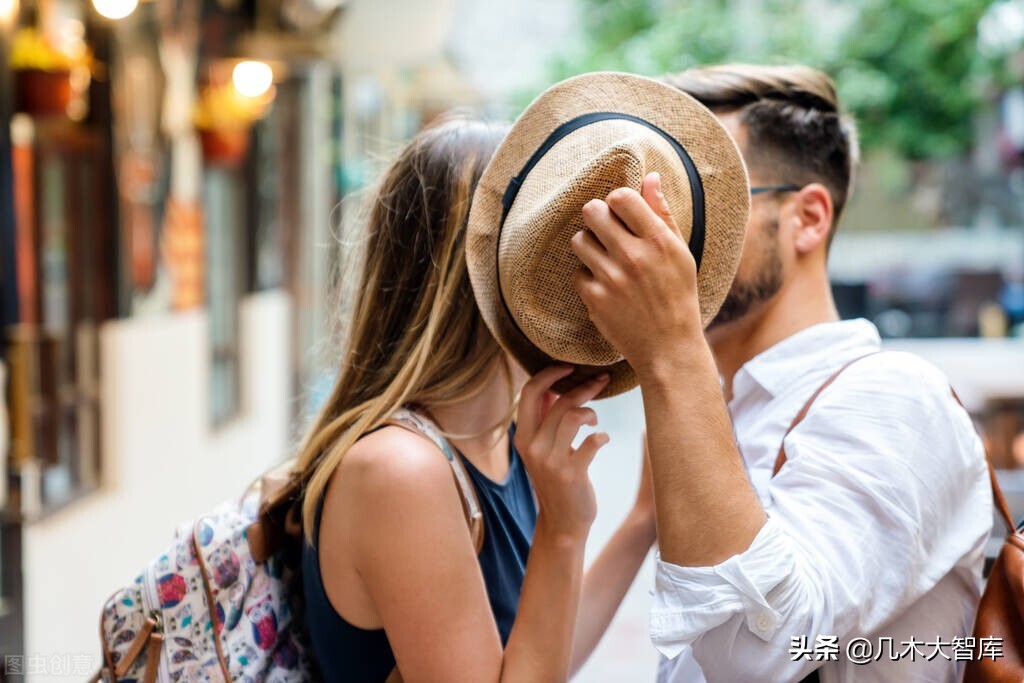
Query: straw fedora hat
x=579, y=140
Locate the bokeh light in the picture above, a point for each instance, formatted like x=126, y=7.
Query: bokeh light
x=115, y=9
x=252, y=78
x=8, y=8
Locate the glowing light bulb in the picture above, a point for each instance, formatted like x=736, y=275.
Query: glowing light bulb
x=252, y=79
x=115, y=9
x=8, y=8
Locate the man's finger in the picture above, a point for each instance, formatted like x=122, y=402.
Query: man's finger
x=586, y=285
x=654, y=196
x=589, y=251
x=608, y=229
x=634, y=212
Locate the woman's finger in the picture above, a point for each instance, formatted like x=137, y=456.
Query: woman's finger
x=578, y=395
x=546, y=402
x=573, y=398
x=533, y=397
x=584, y=455
x=569, y=427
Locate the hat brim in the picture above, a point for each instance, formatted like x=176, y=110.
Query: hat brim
x=714, y=152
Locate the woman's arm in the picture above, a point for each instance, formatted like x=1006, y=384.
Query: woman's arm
x=609, y=577
x=541, y=642
x=415, y=559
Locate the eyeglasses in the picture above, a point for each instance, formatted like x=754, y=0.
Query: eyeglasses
x=775, y=188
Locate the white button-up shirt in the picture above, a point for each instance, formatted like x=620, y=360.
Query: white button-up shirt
x=876, y=526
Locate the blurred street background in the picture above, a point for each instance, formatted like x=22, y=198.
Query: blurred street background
x=177, y=181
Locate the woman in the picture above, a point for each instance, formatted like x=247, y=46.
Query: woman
x=390, y=574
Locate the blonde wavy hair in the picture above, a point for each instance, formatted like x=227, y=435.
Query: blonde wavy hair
x=416, y=336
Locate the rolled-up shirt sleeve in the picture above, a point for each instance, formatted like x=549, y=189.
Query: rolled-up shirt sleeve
x=843, y=548
x=712, y=595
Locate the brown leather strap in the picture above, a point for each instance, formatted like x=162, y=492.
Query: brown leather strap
x=204, y=573
x=108, y=657
x=780, y=460
x=135, y=649
x=997, y=493
x=1000, y=500
x=278, y=518
x=156, y=644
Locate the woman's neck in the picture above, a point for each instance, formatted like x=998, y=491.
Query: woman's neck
x=483, y=419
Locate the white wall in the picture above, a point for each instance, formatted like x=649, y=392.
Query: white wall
x=625, y=654
x=979, y=369
x=162, y=464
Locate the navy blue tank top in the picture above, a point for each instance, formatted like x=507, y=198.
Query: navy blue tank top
x=348, y=654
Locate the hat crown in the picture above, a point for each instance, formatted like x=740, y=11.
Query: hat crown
x=577, y=141
x=535, y=260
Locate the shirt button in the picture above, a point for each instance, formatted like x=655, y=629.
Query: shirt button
x=764, y=622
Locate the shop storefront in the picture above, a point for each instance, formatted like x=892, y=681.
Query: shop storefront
x=154, y=192
x=174, y=175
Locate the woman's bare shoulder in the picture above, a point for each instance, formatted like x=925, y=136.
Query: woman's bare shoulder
x=395, y=461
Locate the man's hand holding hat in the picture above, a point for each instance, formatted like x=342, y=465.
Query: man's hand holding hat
x=637, y=263
x=639, y=285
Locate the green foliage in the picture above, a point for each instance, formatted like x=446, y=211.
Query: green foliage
x=909, y=70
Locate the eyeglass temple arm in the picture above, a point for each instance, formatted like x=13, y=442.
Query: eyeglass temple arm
x=775, y=188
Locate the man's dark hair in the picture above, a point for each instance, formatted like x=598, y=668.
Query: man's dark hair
x=795, y=126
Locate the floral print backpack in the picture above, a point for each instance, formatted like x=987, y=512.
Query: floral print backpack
x=215, y=606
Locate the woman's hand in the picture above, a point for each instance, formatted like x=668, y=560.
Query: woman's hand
x=547, y=425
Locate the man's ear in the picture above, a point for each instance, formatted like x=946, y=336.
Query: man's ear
x=812, y=212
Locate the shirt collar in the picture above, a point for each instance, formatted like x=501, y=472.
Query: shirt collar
x=820, y=346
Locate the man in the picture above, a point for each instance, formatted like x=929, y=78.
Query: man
x=875, y=527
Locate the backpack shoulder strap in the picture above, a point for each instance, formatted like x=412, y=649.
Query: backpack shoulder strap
x=421, y=424
x=997, y=494
x=280, y=493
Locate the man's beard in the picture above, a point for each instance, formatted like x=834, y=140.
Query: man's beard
x=745, y=295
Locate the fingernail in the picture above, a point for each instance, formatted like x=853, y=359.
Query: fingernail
x=657, y=177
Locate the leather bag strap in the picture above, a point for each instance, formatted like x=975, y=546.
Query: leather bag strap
x=997, y=493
